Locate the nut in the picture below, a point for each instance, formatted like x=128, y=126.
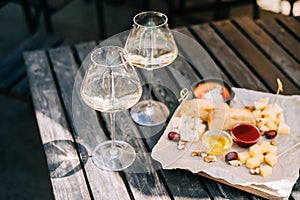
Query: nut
x=210, y=158
x=272, y=142
x=181, y=145
x=196, y=153
x=250, y=108
x=254, y=171
x=264, y=128
x=203, y=154
x=235, y=163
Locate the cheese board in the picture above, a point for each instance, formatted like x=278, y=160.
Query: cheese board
x=275, y=186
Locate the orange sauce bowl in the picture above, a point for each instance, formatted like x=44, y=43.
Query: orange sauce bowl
x=215, y=89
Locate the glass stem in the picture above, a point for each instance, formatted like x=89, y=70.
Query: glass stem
x=150, y=74
x=114, y=150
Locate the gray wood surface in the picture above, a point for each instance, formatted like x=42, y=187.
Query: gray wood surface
x=258, y=62
x=281, y=35
x=280, y=58
x=52, y=124
x=238, y=72
x=85, y=126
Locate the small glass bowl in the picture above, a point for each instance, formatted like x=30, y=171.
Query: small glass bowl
x=216, y=142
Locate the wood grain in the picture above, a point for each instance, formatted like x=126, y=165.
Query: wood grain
x=256, y=60
x=277, y=55
x=52, y=123
x=85, y=125
x=241, y=75
x=281, y=36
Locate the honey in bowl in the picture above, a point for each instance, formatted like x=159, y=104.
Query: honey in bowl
x=216, y=142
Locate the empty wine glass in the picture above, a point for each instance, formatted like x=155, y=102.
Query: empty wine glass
x=150, y=45
x=110, y=85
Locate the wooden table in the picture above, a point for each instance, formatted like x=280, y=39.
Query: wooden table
x=248, y=54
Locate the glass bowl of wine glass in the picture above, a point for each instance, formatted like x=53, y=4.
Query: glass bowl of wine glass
x=150, y=45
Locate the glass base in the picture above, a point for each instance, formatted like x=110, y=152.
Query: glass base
x=105, y=158
x=149, y=113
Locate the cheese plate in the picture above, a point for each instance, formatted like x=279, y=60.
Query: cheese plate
x=285, y=172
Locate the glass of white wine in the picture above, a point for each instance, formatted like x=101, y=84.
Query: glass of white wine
x=150, y=45
x=110, y=85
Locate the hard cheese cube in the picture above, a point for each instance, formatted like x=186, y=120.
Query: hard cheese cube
x=271, y=123
x=261, y=104
x=253, y=162
x=255, y=150
x=244, y=156
x=261, y=158
x=268, y=148
x=272, y=110
x=283, y=128
x=271, y=159
x=265, y=170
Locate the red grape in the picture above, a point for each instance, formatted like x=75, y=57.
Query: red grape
x=174, y=136
x=271, y=134
x=231, y=156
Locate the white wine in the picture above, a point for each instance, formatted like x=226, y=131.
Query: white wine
x=109, y=94
x=151, y=58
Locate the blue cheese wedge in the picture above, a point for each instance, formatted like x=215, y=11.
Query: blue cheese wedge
x=191, y=128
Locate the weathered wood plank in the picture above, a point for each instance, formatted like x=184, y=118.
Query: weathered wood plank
x=291, y=24
x=278, y=56
x=53, y=125
x=183, y=66
x=85, y=126
x=256, y=60
x=197, y=56
x=234, y=67
x=84, y=49
x=281, y=36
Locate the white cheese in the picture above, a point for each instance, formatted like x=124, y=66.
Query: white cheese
x=190, y=128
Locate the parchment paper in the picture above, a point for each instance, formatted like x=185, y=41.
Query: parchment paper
x=285, y=172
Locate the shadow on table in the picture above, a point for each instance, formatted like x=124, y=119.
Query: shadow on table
x=63, y=159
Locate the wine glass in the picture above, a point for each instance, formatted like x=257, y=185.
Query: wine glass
x=110, y=85
x=150, y=45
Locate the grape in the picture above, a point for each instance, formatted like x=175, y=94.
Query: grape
x=174, y=136
x=231, y=156
x=271, y=134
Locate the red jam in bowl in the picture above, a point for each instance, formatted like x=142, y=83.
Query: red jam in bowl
x=245, y=135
